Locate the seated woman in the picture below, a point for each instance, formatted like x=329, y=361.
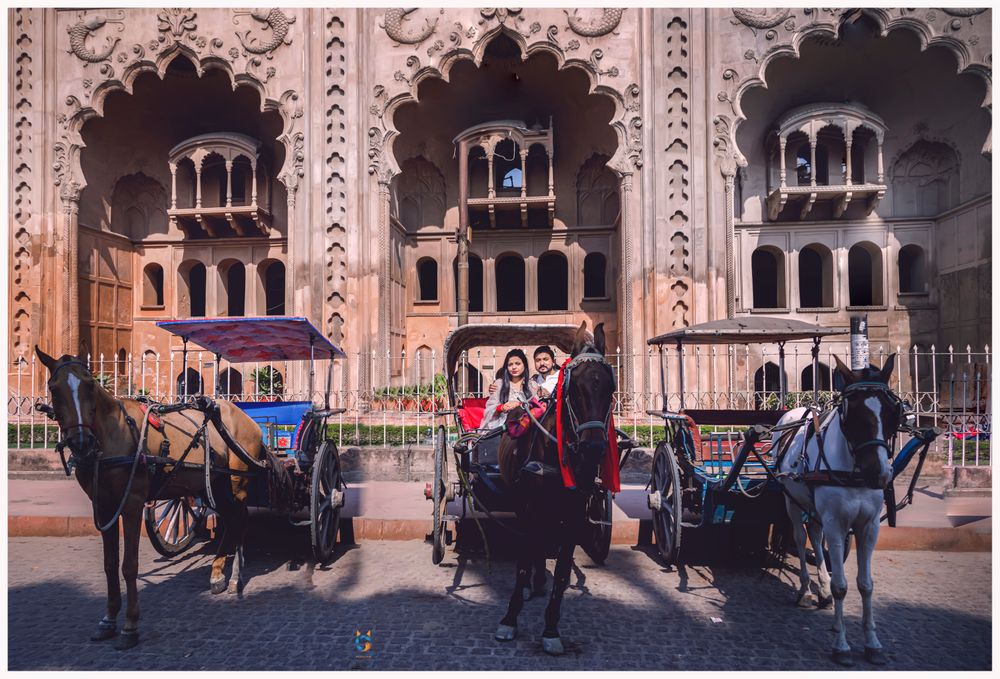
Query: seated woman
x=513, y=388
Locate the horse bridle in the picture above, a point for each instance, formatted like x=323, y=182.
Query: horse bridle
x=577, y=426
x=872, y=387
x=67, y=431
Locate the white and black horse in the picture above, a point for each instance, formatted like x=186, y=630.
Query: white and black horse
x=835, y=470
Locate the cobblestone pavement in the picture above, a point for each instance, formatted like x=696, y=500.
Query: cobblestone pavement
x=933, y=611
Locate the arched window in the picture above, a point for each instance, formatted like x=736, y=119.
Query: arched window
x=233, y=275
x=767, y=387
x=193, y=382
x=912, y=269
x=273, y=279
x=553, y=282
x=512, y=180
x=427, y=280
x=815, y=277
x=767, y=266
x=594, y=276
x=152, y=285
x=864, y=270
x=806, y=378
x=510, y=283
x=230, y=383
x=191, y=297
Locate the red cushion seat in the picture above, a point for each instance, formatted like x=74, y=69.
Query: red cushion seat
x=470, y=413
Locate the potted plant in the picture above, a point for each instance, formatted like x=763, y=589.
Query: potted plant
x=269, y=383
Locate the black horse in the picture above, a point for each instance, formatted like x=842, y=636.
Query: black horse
x=547, y=510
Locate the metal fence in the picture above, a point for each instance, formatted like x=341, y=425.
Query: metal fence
x=949, y=389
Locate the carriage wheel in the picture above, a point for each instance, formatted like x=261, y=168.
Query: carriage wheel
x=326, y=501
x=598, y=541
x=439, y=496
x=666, y=480
x=174, y=525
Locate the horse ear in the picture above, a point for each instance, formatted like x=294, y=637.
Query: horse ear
x=46, y=360
x=886, y=373
x=845, y=372
x=599, y=337
x=580, y=340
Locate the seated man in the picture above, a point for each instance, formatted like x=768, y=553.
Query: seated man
x=546, y=371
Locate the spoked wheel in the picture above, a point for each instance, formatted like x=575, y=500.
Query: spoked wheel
x=175, y=525
x=439, y=496
x=665, y=501
x=598, y=540
x=326, y=501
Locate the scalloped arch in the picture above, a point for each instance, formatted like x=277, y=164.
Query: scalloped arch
x=619, y=161
x=886, y=24
x=72, y=144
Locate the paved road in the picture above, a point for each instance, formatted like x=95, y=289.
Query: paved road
x=933, y=611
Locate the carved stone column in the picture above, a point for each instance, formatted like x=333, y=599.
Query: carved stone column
x=71, y=277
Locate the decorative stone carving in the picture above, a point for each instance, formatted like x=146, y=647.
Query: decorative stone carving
x=22, y=183
x=501, y=14
x=595, y=28
x=963, y=11
x=279, y=24
x=760, y=19
x=925, y=180
x=335, y=178
x=178, y=21
x=294, y=142
x=393, y=26
x=597, y=199
x=83, y=29
x=678, y=172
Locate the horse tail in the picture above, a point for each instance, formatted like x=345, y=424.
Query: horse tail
x=279, y=482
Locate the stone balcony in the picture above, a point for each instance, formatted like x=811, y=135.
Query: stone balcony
x=806, y=196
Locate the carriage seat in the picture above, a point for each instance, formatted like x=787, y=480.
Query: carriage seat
x=471, y=412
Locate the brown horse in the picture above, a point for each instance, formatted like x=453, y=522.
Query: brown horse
x=104, y=438
x=529, y=465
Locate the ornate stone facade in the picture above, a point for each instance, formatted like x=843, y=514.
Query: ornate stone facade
x=356, y=110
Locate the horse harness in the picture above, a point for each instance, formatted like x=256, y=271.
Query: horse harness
x=86, y=459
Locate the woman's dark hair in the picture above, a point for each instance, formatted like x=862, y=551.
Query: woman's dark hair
x=505, y=376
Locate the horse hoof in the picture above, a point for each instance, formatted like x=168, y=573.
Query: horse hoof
x=843, y=658
x=553, y=646
x=104, y=632
x=218, y=586
x=807, y=600
x=824, y=602
x=876, y=656
x=234, y=587
x=127, y=639
x=505, y=633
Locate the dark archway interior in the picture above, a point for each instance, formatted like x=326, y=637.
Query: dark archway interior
x=510, y=283
x=553, y=282
x=137, y=132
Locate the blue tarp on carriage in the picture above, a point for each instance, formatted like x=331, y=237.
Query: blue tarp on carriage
x=242, y=340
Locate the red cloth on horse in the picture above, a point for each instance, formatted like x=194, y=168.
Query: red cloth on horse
x=609, y=467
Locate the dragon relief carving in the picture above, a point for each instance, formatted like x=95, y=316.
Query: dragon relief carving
x=759, y=18
x=276, y=20
x=392, y=24
x=85, y=28
x=595, y=28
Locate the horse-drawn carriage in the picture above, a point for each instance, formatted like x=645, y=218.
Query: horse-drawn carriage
x=294, y=431
x=479, y=488
x=725, y=491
